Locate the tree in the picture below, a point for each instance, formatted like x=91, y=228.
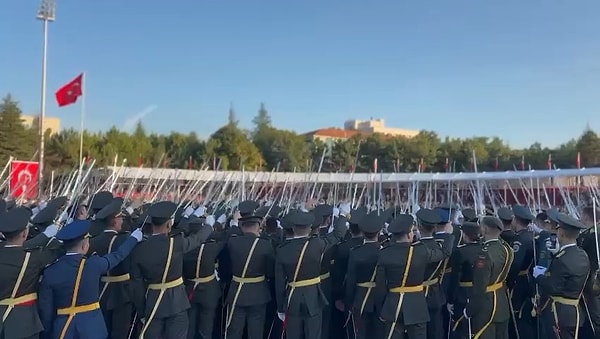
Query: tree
x=232, y=118
x=232, y=147
x=15, y=139
x=589, y=147
x=262, y=120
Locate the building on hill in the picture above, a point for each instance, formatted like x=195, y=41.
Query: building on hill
x=358, y=127
x=50, y=123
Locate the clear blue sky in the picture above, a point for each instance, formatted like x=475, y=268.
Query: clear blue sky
x=521, y=70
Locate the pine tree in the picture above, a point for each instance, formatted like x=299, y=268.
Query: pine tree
x=262, y=119
x=232, y=118
x=15, y=139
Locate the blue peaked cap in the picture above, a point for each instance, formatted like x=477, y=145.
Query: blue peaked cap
x=76, y=229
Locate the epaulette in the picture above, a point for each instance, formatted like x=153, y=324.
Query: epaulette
x=418, y=242
x=560, y=254
x=356, y=246
x=264, y=238
x=461, y=245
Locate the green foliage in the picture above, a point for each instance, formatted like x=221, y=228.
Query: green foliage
x=267, y=147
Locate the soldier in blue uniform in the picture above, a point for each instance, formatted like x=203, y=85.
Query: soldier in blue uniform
x=69, y=300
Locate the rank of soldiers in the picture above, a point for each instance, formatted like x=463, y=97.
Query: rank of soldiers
x=96, y=269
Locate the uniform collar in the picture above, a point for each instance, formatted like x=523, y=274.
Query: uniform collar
x=110, y=231
x=567, y=246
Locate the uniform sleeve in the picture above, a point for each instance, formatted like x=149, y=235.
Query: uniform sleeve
x=434, y=251
x=46, y=307
x=280, y=282
x=520, y=251
x=138, y=287
x=380, y=284
x=447, y=241
x=269, y=259
x=195, y=240
x=454, y=279
x=107, y=262
x=350, y=289
x=39, y=240
x=555, y=278
x=481, y=279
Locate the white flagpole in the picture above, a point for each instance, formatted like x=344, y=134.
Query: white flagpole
x=83, y=95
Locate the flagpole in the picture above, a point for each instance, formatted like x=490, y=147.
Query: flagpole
x=83, y=95
x=46, y=14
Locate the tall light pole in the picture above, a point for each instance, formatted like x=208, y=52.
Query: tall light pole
x=47, y=15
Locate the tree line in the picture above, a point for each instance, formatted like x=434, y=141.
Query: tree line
x=266, y=147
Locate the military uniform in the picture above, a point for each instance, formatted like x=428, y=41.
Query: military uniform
x=462, y=263
x=116, y=295
x=157, y=271
x=97, y=202
x=400, y=297
x=564, y=282
x=202, y=284
x=488, y=310
x=360, y=280
x=300, y=300
x=520, y=283
x=20, y=269
x=251, y=261
x=69, y=291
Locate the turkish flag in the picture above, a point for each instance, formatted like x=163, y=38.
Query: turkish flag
x=24, y=179
x=69, y=93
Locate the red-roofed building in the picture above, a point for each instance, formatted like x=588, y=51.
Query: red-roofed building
x=358, y=127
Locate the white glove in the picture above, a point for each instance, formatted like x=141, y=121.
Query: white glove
x=188, y=211
x=233, y=222
x=336, y=212
x=345, y=208
x=137, y=234
x=51, y=231
x=199, y=211
x=222, y=219
x=217, y=275
x=210, y=220
x=465, y=314
x=129, y=210
x=268, y=203
x=554, y=249
x=450, y=308
x=539, y=270
x=535, y=228
x=281, y=316
x=457, y=216
x=279, y=225
x=63, y=216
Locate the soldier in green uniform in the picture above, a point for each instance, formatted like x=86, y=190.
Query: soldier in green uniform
x=202, y=283
x=116, y=299
x=251, y=260
x=300, y=301
x=591, y=294
x=360, y=279
x=488, y=310
x=160, y=298
x=462, y=262
x=21, y=264
x=399, y=291
x=565, y=279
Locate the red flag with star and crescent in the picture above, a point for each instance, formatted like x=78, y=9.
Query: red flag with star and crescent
x=69, y=93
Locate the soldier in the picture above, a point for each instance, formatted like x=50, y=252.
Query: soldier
x=157, y=270
x=201, y=283
x=428, y=221
x=565, y=279
x=520, y=284
x=20, y=267
x=488, y=309
x=400, y=297
x=97, y=202
x=360, y=279
x=116, y=299
x=300, y=301
x=591, y=295
x=340, y=266
x=69, y=291
x=460, y=281
x=251, y=262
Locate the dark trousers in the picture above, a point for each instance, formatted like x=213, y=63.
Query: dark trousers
x=401, y=331
x=489, y=331
x=201, y=322
x=368, y=326
x=298, y=327
x=175, y=326
x=250, y=317
x=272, y=324
x=434, y=326
x=591, y=328
x=118, y=321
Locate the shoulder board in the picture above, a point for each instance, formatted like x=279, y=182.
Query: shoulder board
x=461, y=245
x=439, y=240
x=50, y=264
x=418, y=242
x=560, y=254
x=355, y=247
x=264, y=238
x=315, y=236
x=31, y=249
